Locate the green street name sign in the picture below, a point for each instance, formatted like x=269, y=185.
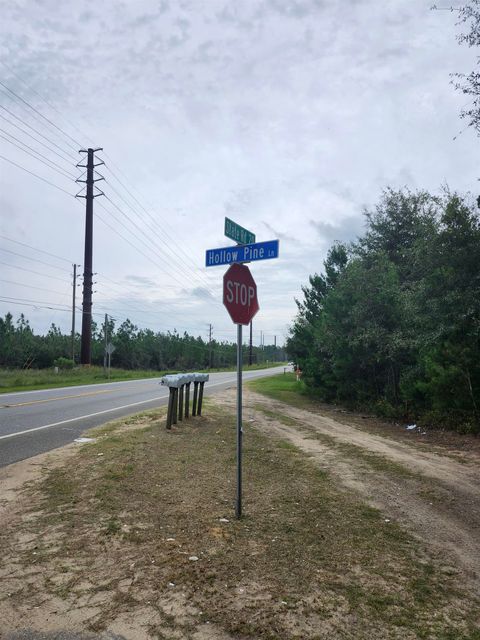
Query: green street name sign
x=238, y=233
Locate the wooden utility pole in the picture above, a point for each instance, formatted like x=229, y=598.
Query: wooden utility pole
x=73, y=309
x=210, y=346
x=105, y=336
x=86, y=345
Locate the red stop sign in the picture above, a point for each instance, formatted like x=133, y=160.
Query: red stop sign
x=240, y=294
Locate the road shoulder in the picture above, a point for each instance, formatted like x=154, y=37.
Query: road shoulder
x=133, y=534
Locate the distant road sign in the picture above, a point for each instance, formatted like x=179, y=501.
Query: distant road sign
x=238, y=233
x=110, y=348
x=240, y=294
x=242, y=253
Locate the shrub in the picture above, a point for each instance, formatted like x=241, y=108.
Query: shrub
x=64, y=363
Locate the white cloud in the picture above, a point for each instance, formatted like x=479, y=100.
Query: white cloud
x=288, y=116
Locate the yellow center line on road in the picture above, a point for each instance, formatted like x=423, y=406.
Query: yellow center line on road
x=81, y=395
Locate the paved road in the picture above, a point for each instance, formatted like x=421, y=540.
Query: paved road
x=32, y=422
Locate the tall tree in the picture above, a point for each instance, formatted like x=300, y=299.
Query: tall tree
x=469, y=83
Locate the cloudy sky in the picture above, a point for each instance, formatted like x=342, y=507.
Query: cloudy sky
x=289, y=116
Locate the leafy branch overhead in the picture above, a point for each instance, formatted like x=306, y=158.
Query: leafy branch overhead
x=469, y=84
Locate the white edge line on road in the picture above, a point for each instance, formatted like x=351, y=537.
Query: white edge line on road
x=98, y=413
x=81, y=386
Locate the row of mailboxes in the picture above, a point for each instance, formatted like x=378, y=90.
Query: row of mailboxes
x=179, y=398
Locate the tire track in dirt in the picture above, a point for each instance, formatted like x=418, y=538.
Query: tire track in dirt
x=434, y=496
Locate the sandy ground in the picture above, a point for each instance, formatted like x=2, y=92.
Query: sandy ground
x=433, y=494
x=44, y=617
x=436, y=495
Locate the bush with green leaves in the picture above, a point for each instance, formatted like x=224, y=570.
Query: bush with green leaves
x=64, y=363
x=393, y=324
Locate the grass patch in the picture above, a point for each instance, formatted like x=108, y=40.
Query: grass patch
x=12, y=380
x=285, y=444
x=143, y=418
x=308, y=560
x=30, y=379
x=245, y=367
x=283, y=387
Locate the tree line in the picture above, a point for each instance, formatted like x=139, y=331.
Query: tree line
x=135, y=348
x=393, y=322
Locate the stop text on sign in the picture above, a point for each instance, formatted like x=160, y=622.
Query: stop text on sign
x=240, y=294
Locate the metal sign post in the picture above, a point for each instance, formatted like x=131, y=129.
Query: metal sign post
x=240, y=300
x=109, y=349
x=238, y=505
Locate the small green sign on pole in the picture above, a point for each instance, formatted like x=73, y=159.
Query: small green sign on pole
x=235, y=232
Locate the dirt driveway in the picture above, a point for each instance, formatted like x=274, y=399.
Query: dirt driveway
x=434, y=494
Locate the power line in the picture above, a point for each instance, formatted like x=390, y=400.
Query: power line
x=164, y=306
x=59, y=307
x=155, y=249
x=35, y=306
x=8, y=299
x=136, y=236
x=25, y=102
x=46, y=161
x=29, y=246
x=20, y=255
x=114, y=312
x=77, y=144
x=13, y=124
x=37, y=273
x=123, y=237
x=36, y=175
x=153, y=229
x=126, y=287
x=30, y=88
x=172, y=240
x=223, y=347
x=30, y=286
x=67, y=153
x=145, y=312
x=117, y=285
